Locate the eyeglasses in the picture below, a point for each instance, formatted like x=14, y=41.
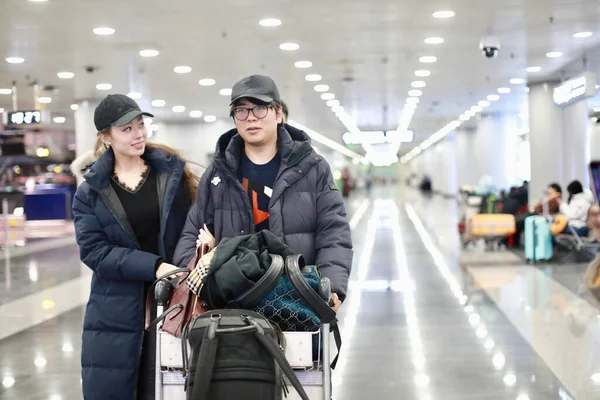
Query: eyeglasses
x=242, y=113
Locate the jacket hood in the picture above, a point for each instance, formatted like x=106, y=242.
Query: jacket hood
x=292, y=144
x=81, y=165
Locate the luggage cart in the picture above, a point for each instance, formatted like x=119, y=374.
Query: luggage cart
x=315, y=376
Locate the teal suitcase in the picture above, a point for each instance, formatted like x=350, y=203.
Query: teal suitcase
x=538, y=239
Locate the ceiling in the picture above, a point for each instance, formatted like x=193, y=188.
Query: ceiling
x=366, y=51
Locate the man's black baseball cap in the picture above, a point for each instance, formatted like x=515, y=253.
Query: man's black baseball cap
x=116, y=110
x=258, y=87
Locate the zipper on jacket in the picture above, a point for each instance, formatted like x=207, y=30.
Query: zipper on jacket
x=238, y=185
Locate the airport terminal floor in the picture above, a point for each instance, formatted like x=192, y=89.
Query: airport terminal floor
x=423, y=320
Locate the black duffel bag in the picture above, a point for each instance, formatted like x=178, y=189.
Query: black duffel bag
x=236, y=354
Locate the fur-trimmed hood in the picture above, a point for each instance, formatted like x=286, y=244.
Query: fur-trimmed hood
x=82, y=164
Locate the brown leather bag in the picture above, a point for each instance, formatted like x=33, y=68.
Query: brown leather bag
x=183, y=305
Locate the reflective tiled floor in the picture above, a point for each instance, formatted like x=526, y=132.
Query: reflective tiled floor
x=422, y=320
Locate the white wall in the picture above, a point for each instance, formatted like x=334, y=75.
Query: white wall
x=195, y=141
x=594, y=140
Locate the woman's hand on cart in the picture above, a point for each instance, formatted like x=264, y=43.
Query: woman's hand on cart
x=165, y=268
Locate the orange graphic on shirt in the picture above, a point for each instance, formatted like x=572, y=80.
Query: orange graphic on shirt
x=259, y=215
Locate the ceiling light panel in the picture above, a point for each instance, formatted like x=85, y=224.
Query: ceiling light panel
x=303, y=64
x=270, y=22
x=289, y=46
x=434, y=40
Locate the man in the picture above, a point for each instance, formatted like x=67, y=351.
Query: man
x=266, y=175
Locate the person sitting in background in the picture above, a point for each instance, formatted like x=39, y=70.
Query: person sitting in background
x=551, y=199
x=593, y=223
x=577, y=207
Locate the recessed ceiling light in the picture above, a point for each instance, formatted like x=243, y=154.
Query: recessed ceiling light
x=207, y=82
x=65, y=75
x=182, y=69
x=517, y=81
x=418, y=84
x=581, y=35
x=333, y=103
x=428, y=59
x=476, y=109
x=158, y=103
x=5, y=91
x=303, y=64
x=554, y=54
x=434, y=40
x=104, y=86
x=503, y=90
x=422, y=73
x=415, y=93
x=413, y=100
x=328, y=96
x=225, y=92
x=15, y=60
x=464, y=117
x=533, y=69
x=321, y=88
x=74, y=107
x=443, y=14
x=493, y=97
x=210, y=118
x=104, y=31
x=134, y=95
x=59, y=120
x=289, y=46
x=196, y=114
x=410, y=106
x=270, y=22
x=149, y=53
x=313, y=77
x=484, y=103
x=44, y=100
x=178, y=109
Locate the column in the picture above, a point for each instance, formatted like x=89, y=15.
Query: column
x=466, y=174
x=560, y=149
x=85, y=130
x=576, y=155
x=494, y=148
x=546, y=139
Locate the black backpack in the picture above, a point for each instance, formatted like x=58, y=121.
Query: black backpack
x=236, y=354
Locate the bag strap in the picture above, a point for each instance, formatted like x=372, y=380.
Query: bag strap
x=270, y=345
x=247, y=299
x=208, y=355
x=293, y=265
x=325, y=313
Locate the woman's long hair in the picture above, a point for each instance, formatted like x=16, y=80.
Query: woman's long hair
x=190, y=179
x=574, y=188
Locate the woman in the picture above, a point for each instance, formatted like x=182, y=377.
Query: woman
x=577, y=207
x=128, y=214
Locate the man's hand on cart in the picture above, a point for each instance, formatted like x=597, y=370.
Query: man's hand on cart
x=206, y=237
x=335, y=302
